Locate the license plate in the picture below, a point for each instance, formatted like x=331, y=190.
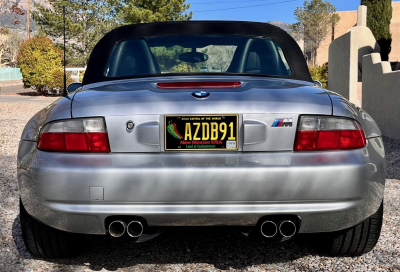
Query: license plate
x=201, y=132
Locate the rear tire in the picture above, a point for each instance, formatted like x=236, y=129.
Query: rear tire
x=356, y=240
x=47, y=242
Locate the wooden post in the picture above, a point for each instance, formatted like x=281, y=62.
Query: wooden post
x=29, y=19
x=65, y=93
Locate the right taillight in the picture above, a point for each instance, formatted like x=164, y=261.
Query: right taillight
x=75, y=135
x=328, y=133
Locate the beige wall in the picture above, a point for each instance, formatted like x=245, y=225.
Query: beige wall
x=395, y=29
x=381, y=94
x=348, y=19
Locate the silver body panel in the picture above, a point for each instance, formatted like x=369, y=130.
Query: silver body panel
x=327, y=190
x=342, y=107
x=258, y=100
x=59, y=109
x=75, y=192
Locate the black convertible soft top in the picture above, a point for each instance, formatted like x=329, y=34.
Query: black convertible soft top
x=99, y=58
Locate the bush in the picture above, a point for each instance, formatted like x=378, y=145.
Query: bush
x=320, y=73
x=56, y=81
x=40, y=63
x=81, y=76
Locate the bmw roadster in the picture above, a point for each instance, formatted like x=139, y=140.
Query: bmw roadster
x=200, y=124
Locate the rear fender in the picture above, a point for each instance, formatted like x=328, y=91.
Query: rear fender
x=342, y=107
x=59, y=109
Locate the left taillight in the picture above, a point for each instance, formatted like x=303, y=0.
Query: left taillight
x=328, y=133
x=75, y=135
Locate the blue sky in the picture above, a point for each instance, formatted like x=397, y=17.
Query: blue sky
x=261, y=10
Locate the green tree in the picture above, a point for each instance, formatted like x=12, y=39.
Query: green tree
x=315, y=19
x=39, y=60
x=86, y=23
x=379, y=15
x=144, y=11
x=167, y=58
x=220, y=56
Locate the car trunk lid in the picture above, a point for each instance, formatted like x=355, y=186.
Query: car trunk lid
x=267, y=110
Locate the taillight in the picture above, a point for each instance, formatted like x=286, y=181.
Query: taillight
x=328, y=133
x=199, y=85
x=75, y=135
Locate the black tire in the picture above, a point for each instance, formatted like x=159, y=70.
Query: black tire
x=47, y=242
x=356, y=240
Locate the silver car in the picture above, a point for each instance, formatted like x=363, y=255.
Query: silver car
x=149, y=141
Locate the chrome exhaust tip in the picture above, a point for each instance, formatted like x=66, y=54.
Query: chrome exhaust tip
x=287, y=228
x=268, y=229
x=117, y=228
x=134, y=229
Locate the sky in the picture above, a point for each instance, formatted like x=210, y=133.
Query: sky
x=256, y=10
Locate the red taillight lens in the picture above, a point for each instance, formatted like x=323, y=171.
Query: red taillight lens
x=328, y=133
x=199, y=85
x=306, y=140
x=352, y=139
x=75, y=141
x=97, y=142
x=78, y=135
x=52, y=141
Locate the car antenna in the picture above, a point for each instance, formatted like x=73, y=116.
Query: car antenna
x=65, y=74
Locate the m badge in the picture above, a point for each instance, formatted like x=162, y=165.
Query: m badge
x=283, y=122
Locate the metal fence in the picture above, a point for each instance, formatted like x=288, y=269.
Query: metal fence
x=10, y=74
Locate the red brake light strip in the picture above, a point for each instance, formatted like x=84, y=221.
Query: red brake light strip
x=199, y=85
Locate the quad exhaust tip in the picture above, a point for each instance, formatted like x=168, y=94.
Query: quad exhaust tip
x=134, y=229
x=117, y=228
x=287, y=228
x=268, y=229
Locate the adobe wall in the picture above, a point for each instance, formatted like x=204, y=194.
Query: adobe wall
x=348, y=19
x=395, y=29
x=381, y=94
x=345, y=59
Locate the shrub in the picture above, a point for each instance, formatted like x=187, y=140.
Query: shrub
x=182, y=68
x=81, y=76
x=40, y=62
x=320, y=73
x=56, y=81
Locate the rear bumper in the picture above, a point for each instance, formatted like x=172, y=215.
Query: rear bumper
x=329, y=191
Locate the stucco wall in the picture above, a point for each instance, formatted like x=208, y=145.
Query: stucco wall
x=381, y=94
x=395, y=29
x=348, y=19
x=342, y=67
x=345, y=59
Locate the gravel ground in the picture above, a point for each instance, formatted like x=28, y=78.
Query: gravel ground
x=188, y=249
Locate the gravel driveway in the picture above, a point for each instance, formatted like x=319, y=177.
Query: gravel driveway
x=186, y=249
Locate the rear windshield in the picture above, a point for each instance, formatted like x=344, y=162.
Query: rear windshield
x=197, y=54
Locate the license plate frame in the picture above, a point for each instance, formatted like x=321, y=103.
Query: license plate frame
x=198, y=141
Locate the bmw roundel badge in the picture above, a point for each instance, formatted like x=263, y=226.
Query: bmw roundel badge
x=201, y=94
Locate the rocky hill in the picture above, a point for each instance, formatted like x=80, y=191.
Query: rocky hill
x=283, y=25
x=7, y=20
